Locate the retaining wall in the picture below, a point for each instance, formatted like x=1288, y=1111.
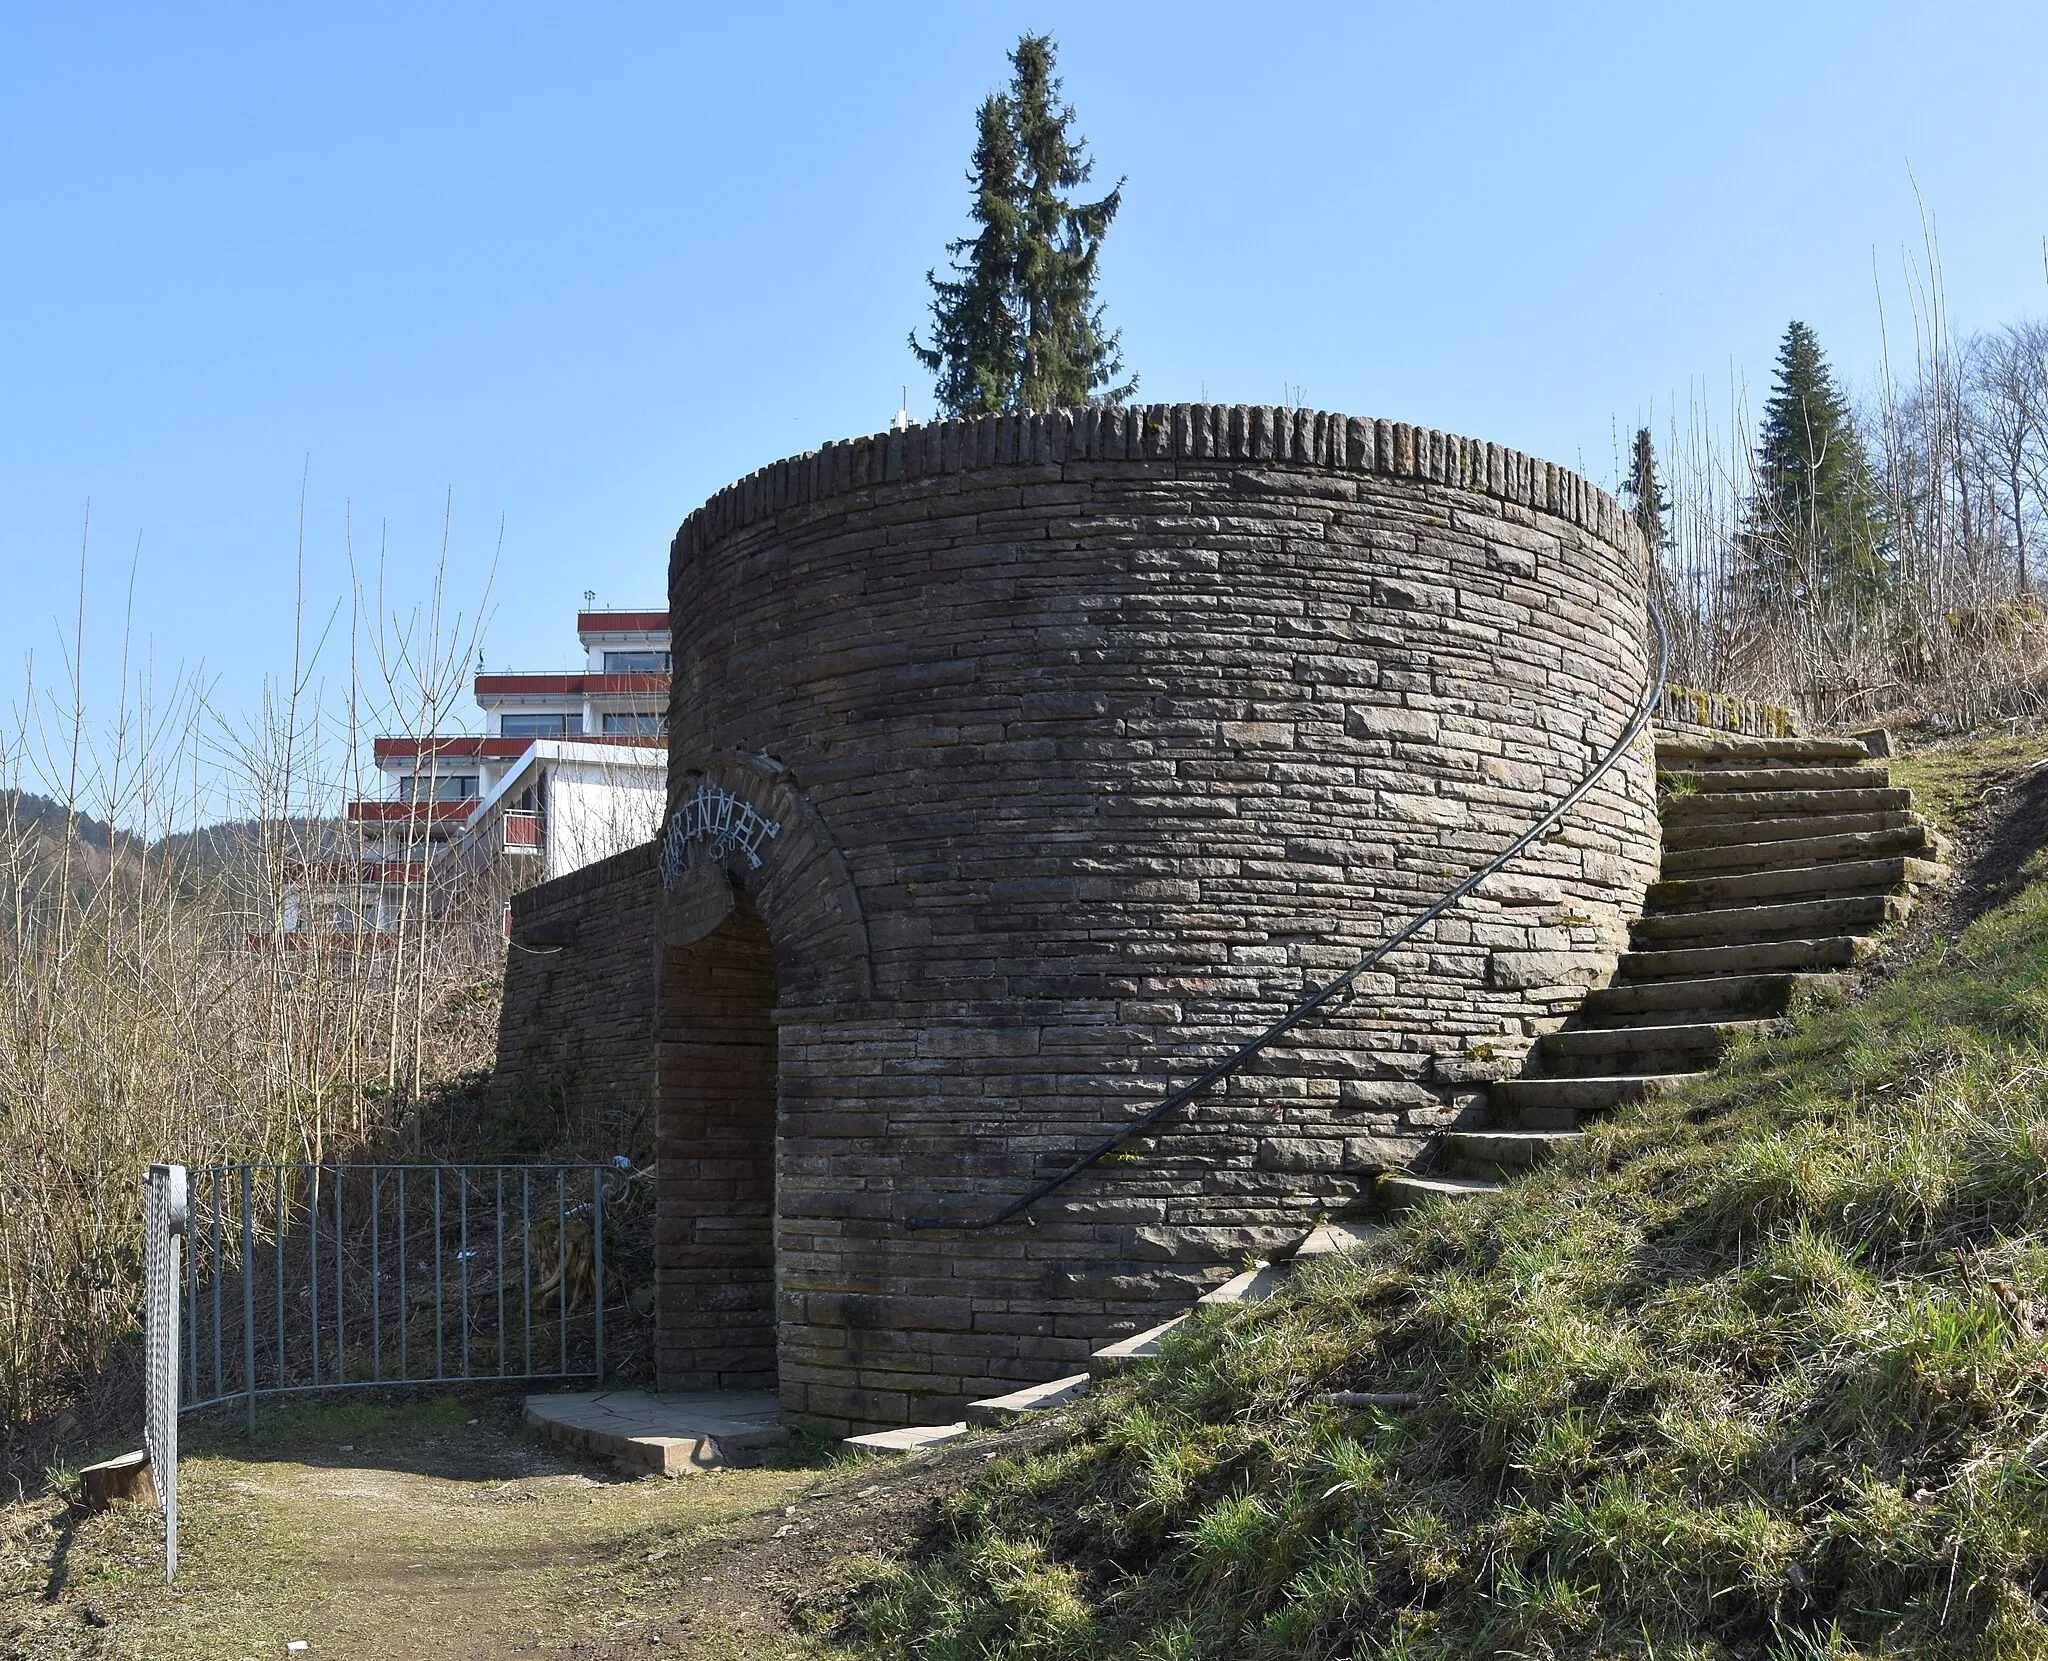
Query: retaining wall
x=576, y=1030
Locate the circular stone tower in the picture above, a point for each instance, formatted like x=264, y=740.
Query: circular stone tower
x=1019, y=768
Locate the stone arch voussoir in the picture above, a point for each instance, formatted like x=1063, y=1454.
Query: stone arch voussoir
x=802, y=887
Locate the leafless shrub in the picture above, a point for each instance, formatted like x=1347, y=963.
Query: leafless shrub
x=155, y=1005
x=1954, y=630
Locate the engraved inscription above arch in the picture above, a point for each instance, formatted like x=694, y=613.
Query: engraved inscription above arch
x=722, y=809
x=713, y=823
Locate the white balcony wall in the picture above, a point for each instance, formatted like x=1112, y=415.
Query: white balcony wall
x=597, y=810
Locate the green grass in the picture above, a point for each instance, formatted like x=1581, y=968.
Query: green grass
x=1754, y=1371
x=1950, y=779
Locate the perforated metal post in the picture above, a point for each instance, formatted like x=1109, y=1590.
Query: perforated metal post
x=165, y=1220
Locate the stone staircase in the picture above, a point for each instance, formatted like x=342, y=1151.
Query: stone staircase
x=1783, y=861
x=1254, y=1285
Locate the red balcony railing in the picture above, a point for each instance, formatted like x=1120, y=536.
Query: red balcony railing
x=384, y=813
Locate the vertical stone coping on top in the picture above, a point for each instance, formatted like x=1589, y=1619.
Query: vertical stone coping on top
x=1215, y=433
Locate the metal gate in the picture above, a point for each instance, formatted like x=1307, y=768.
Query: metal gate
x=303, y=1277
x=164, y=1221
x=338, y=1277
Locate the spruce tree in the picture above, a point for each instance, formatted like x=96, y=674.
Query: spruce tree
x=977, y=344
x=1815, y=526
x=1645, y=492
x=1019, y=326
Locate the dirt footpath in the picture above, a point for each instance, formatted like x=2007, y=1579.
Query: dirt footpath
x=445, y=1530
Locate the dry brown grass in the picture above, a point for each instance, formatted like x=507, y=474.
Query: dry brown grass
x=153, y=1003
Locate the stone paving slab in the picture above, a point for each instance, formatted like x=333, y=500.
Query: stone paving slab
x=670, y=1434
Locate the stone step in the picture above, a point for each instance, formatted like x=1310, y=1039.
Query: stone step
x=1398, y=1190
x=1677, y=1048
x=1716, y=831
x=1551, y=1102
x=1140, y=1346
x=1748, y=924
x=1255, y=1285
x=1033, y=1398
x=1676, y=751
x=908, y=1438
x=1732, y=857
x=1835, y=951
x=1756, y=780
x=1333, y=1239
x=1500, y=1149
x=1709, y=997
x=1677, y=895
x=1781, y=804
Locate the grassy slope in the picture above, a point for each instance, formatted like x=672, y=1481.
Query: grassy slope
x=1758, y=1370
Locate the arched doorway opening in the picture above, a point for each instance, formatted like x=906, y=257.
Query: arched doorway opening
x=716, y=1076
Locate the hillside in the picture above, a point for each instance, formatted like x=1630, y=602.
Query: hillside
x=37, y=824
x=1760, y=1369
x=1759, y=1372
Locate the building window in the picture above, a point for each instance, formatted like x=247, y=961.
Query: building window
x=637, y=663
x=540, y=726
x=443, y=787
x=634, y=725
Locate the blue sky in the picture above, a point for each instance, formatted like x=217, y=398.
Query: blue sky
x=573, y=268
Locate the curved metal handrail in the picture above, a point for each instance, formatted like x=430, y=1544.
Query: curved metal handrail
x=1334, y=989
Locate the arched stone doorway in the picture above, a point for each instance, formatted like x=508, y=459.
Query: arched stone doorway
x=716, y=1083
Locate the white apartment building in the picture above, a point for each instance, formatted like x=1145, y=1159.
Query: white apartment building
x=571, y=767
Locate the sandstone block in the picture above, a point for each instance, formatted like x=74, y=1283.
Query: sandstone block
x=1518, y=970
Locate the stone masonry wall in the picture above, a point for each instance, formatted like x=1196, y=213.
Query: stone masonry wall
x=576, y=1033
x=1095, y=738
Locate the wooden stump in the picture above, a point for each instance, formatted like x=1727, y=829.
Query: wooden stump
x=124, y=1477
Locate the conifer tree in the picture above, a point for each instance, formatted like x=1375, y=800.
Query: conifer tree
x=977, y=344
x=1815, y=525
x=1645, y=492
x=1019, y=326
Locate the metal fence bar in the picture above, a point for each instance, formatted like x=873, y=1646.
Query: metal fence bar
x=404, y=1308
x=376, y=1280
x=280, y=1275
x=313, y=1223
x=597, y=1182
x=526, y=1261
x=213, y=1269
x=191, y=1272
x=462, y=1259
x=340, y=1285
x=440, y=1285
x=248, y=1302
x=501, y=1271
x=562, y=1265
